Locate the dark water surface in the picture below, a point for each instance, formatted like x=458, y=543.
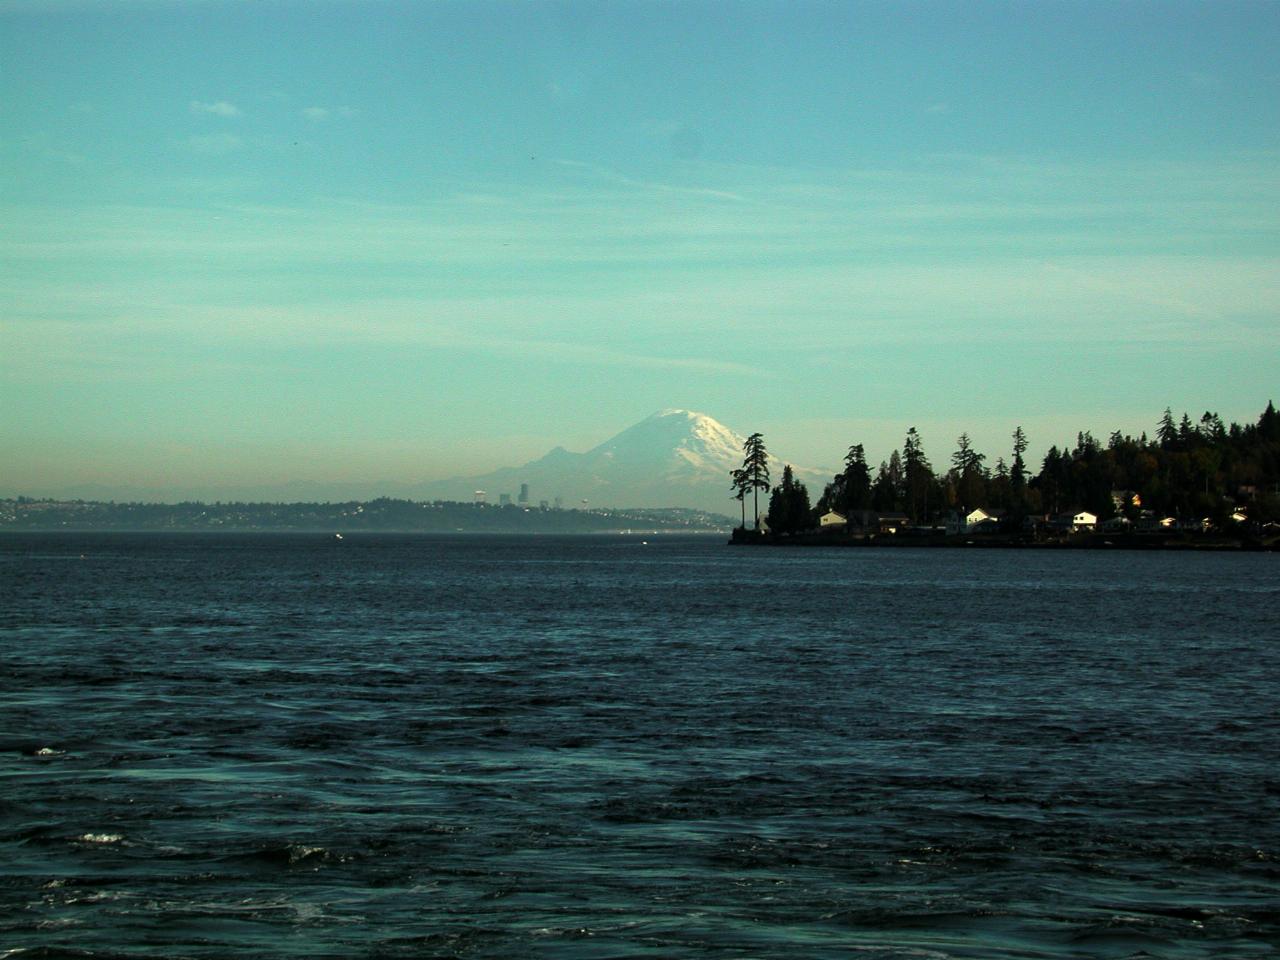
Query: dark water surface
x=289, y=745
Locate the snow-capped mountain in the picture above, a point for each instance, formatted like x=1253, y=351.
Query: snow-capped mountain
x=675, y=458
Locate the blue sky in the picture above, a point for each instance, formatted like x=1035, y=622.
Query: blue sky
x=247, y=243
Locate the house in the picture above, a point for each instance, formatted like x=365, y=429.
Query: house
x=1075, y=522
x=1116, y=525
x=832, y=519
x=978, y=520
x=893, y=522
x=983, y=520
x=1084, y=520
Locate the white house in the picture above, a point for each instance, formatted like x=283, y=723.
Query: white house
x=832, y=519
x=974, y=521
x=1072, y=522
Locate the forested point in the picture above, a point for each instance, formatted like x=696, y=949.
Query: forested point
x=1191, y=476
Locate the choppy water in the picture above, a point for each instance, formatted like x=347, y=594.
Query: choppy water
x=287, y=745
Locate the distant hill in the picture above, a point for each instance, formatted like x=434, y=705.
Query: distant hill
x=675, y=458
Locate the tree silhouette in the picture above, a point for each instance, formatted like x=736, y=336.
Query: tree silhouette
x=1018, y=472
x=918, y=474
x=755, y=470
x=1167, y=432
x=741, y=485
x=857, y=481
x=789, y=509
x=968, y=473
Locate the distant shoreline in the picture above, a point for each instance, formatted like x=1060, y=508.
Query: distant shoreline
x=1094, y=541
x=383, y=515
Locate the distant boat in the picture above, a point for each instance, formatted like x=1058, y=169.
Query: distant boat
x=337, y=536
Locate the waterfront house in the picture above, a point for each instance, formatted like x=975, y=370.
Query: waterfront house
x=892, y=522
x=1080, y=520
x=977, y=520
x=832, y=519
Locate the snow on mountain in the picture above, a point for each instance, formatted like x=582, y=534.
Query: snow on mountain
x=674, y=458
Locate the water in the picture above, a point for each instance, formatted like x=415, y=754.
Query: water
x=272, y=746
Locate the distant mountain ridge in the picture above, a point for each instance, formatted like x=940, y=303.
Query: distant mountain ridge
x=674, y=458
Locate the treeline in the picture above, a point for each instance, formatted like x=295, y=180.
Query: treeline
x=1192, y=469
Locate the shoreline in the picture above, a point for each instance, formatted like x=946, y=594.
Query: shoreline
x=1087, y=541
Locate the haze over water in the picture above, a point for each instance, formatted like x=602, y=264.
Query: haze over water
x=386, y=746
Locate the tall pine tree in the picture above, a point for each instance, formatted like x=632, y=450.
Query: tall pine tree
x=755, y=470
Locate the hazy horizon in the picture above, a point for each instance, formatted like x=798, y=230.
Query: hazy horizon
x=342, y=244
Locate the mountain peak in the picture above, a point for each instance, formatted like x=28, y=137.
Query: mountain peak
x=675, y=412
x=674, y=457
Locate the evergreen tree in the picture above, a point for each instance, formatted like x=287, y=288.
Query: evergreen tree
x=740, y=484
x=968, y=473
x=789, y=510
x=1167, y=432
x=801, y=510
x=886, y=495
x=856, y=486
x=1269, y=424
x=998, y=489
x=918, y=474
x=1050, y=480
x=1018, y=472
x=1186, y=433
x=755, y=470
x=1211, y=428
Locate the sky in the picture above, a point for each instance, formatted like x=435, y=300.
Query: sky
x=244, y=244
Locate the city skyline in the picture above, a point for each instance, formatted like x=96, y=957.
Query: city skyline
x=356, y=243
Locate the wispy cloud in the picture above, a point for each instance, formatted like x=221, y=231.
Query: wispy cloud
x=219, y=108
